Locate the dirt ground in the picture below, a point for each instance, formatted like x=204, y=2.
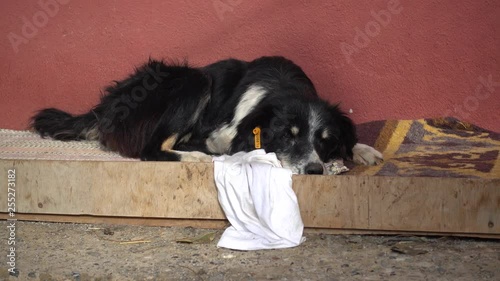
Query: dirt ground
x=53, y=251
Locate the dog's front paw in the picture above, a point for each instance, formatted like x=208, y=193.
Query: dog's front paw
x=366, y=155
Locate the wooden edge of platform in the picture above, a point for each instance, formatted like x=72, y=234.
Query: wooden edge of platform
x=185, y=193
x=216, y=224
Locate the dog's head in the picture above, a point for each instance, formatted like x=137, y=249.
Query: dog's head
x=304, y=133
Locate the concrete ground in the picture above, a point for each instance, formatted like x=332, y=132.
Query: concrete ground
x=53, y=251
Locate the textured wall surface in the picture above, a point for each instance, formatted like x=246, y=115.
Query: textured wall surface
x=383, y=59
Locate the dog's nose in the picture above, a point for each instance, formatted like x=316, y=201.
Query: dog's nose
x=314, y=169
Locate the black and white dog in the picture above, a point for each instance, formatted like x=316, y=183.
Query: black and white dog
x=174, y=112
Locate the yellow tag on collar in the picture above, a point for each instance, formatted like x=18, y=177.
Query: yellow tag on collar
x=256, y=133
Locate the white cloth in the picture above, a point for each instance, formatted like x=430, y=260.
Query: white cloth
x=256, y=195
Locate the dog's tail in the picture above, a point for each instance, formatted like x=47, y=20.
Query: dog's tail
x=61, y=125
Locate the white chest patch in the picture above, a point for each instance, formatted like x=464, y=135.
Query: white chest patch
x=219, y=141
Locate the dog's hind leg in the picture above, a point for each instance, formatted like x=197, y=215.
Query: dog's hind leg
x=159, y=148
x=170, y=142
x=167, y=153
x=185, y=105
x=366, y=155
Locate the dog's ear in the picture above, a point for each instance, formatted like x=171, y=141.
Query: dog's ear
x=347, y=132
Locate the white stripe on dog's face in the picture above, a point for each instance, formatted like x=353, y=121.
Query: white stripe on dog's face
x=219, y=142
x=308, y=153
x=315, y=124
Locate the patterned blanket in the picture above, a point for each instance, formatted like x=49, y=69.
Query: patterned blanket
x=442, y=147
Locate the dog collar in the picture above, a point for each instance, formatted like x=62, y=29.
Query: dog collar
x=256, y=137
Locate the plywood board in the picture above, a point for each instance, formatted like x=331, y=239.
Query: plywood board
x=217, y=224
x=187, y=191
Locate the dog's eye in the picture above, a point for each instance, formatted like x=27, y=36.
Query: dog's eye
x=291, y=133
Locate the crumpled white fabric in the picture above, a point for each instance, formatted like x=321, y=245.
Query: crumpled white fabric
x=256, y=195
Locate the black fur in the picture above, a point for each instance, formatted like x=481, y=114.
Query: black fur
x=60, y=125
x=163, y=101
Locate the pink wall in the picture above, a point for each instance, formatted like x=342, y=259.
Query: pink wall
x=428, y=59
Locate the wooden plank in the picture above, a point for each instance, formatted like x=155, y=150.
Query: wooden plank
x=86, y=219
x=146, y=189
x=400, y=204
x=214, y=224
x=187, y=191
